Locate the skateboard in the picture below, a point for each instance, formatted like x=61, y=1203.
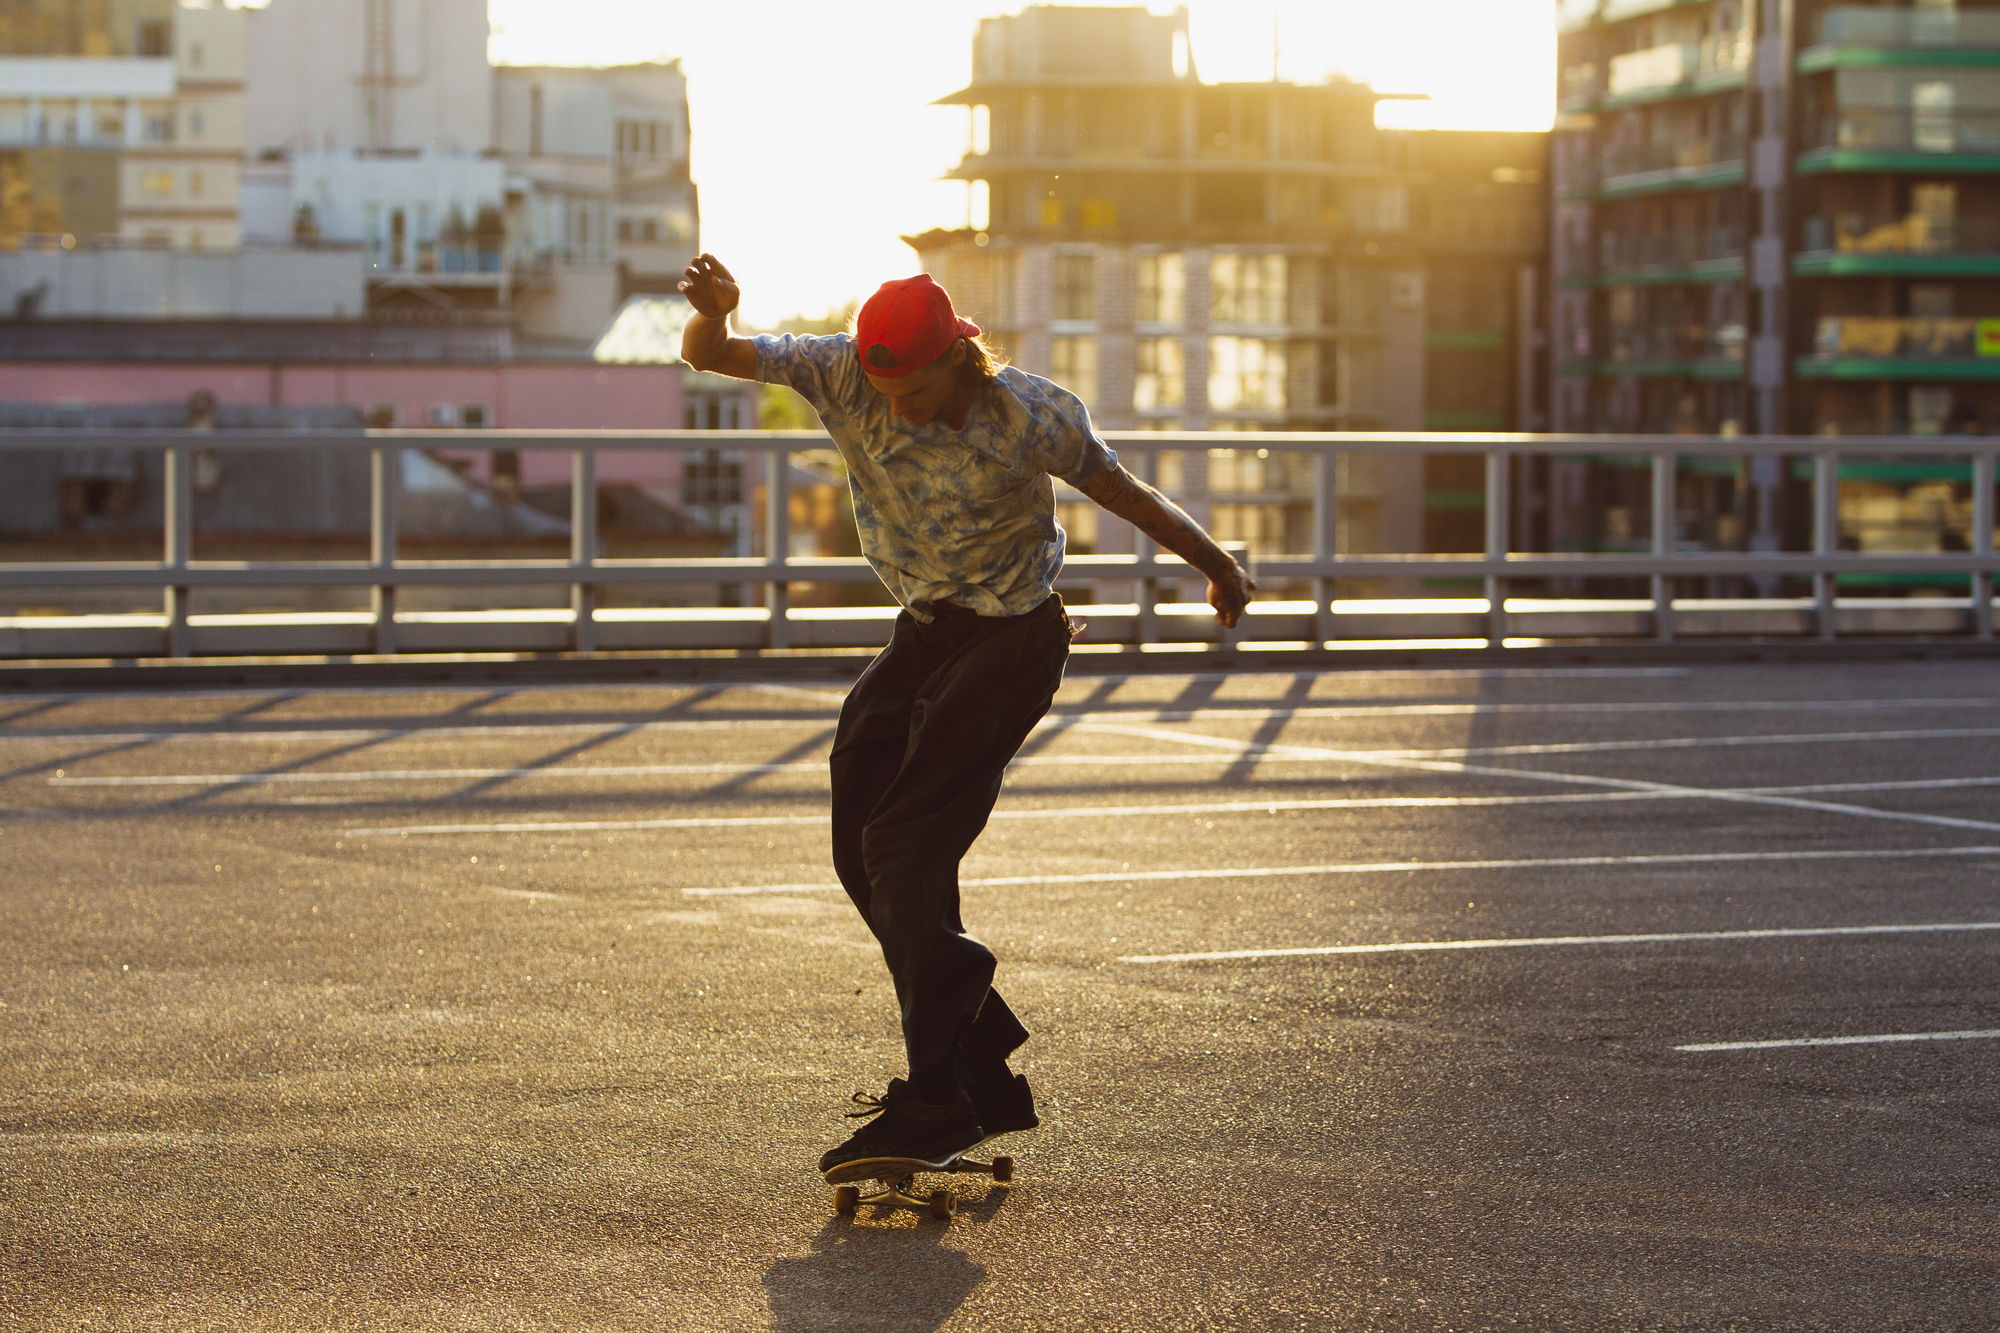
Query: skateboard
x=898, y=1178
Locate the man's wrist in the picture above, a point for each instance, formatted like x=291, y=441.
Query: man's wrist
x=1212, y=560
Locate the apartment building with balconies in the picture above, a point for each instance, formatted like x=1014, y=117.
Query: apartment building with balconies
x=1240, y=256
x=1782, y=218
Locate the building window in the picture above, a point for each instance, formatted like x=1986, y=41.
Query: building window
x=1161, y=377
x=1073, y=365
x=1162, y=289
x=1246, y=374
x=1247, y=289
x=195, y=124
x=157, y=182
x=649, y=230
x=381, y=416
x=159, y=128
x=1076, y=287
x=195, y=183
x=624, y=229
x=155, y=37
x=711, y=478
x=475, y=416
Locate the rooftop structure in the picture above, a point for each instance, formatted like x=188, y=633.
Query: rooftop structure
x=1250, y=256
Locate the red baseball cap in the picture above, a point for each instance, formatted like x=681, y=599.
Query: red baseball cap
x=906, y=325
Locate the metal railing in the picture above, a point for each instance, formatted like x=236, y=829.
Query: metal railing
x=776, y=626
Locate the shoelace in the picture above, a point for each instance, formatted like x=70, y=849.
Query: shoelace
x=869, y=1103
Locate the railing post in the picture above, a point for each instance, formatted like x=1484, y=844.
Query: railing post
x=1146, y=588
x=1826, y=537
x=179, y=527
x=1664, y=466
x=583, y=548
x=1496, y=547
x=384, y=478
x=1982, y=542
x=778, y=545
x=1326, y=544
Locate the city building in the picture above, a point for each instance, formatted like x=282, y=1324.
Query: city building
x=606, y=152
x=540, y=196
x=1778, y=218
x=121, y=122
x=1245, y=256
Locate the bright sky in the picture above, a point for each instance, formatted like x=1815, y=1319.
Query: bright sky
x=815, y=146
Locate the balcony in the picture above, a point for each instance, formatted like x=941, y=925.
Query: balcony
x=1874, y=38
x=1888, y=245
x=1631, y=169
x=1669, y=350
x=1912, y=348
x=438, y=265
x=1708, y=254
x=1582, y=85
x=1899, y=139
x=1680, y=69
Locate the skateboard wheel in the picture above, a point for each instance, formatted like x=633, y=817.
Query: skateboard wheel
x=1003, y=1169
x=943, y=1204
x=846, y=1198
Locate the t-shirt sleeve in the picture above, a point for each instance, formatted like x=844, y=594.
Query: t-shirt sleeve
x=1069, y=447
x=823, y=370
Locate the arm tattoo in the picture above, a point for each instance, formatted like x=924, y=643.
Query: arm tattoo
x=1160, y=519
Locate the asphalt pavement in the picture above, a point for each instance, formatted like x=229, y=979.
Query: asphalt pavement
x=1648, y=998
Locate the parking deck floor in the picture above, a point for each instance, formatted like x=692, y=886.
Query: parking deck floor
x=1620, y=998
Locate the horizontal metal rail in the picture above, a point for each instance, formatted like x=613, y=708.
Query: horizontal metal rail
x=383, y=572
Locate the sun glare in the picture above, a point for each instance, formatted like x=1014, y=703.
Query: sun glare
x=815, y=145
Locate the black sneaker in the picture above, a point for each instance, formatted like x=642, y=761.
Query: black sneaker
x=1002, y=1101
x=901, y=1126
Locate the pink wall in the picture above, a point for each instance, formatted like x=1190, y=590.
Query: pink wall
x=547, y=395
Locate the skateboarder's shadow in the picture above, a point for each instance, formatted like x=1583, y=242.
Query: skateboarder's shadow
x=890, y=1276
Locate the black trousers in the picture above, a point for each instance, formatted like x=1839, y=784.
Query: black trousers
x=924, y=740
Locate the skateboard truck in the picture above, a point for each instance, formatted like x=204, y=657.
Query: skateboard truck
x=898, y=1177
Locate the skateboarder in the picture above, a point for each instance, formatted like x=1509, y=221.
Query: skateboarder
x=948, y=457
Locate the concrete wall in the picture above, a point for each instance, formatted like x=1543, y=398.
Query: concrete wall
x=305, y=88
x=576, y=307
x=161, y=284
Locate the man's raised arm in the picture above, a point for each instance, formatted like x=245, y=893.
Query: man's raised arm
x=706, y=342
x=1123, y=494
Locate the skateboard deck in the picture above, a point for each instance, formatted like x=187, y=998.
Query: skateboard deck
x=898, y=1179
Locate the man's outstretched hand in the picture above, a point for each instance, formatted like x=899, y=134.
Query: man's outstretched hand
x=709, y=287
x=1229, y=595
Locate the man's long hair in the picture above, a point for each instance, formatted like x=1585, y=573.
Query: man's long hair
x=982, y=362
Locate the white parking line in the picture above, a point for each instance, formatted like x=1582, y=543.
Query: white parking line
x=1976, y=1034
x=1060, y=812
x=1128, y=876
x=1551, y=941
x=814, y=766
x=1239, y=750
x=1245, y=713
x=1406, y=760
x=1171, y=809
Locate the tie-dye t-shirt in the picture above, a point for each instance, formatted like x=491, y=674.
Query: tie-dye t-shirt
x=947, y=515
